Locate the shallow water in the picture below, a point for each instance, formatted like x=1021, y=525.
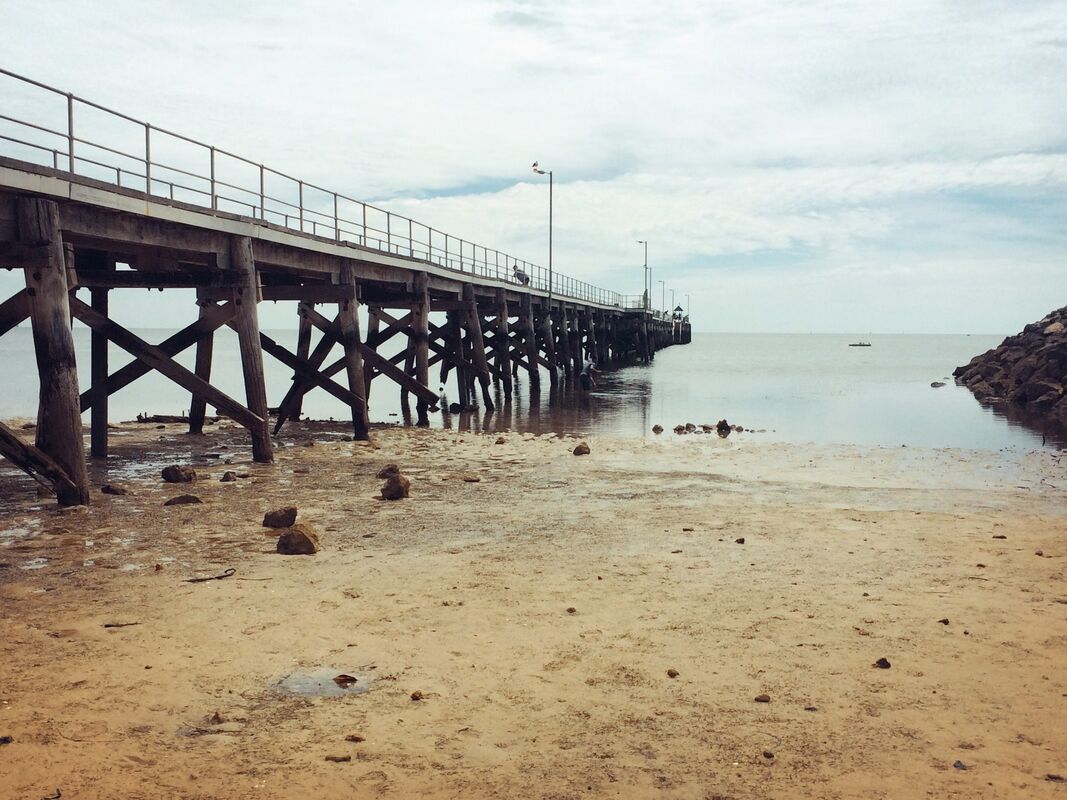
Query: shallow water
x=792, y=388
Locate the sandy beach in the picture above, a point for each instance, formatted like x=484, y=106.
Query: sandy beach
x=594, y=626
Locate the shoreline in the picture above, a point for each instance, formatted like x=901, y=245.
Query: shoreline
x=461, y=592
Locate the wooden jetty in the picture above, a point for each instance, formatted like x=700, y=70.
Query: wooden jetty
x=74, y=220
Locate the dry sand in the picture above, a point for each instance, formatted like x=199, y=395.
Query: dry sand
x=462, y=592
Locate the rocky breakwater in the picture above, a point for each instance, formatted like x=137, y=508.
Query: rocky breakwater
x=1027, y=371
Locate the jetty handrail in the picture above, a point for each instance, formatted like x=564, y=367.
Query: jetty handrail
x=314, y=209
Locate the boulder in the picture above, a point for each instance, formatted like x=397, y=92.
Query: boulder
x=723, y=428
x=388, y=471
x=183, y=500
x=657, y=429
x=228, y=477
x=679, y=429
x=280, y=517
x=298, y=540
x=177, y=474
x=396, y=487
x=582, y=449
x=1027, y=372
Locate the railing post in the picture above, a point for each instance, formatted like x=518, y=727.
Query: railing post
x=388, y=232
x=336, y=220
x=411, y=239
x=262, y=194
x=213, y=187
x=364, y=224
x=147, y=158
x=446, y=251
x=300, y=199
x=70, y=130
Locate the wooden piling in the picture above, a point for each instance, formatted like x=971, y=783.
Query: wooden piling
x=373, y=325
x=503, y=342
x=477, y=344
x=529, y=338
x=60, y=429
x=349, y=321
x=246, y=323
x=303, y=349
x=97, y=260
x=202, y=370
x=420, y=332
x=548, y=344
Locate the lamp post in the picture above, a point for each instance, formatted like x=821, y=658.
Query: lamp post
x=648, y=277
x=663, y=293
x=687, y=306
x=673, y=306
x=539, y=171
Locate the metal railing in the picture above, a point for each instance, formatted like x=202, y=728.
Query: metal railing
x=134, y=154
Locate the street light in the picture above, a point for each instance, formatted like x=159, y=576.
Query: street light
x=539, y=171
x=648, y=276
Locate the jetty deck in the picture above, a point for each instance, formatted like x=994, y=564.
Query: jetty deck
x=84, y=213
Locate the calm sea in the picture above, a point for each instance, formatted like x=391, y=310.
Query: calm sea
x=793, y=387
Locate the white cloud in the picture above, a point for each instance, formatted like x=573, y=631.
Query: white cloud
x=769, y=144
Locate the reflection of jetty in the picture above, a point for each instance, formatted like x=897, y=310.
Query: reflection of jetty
x=86, y=209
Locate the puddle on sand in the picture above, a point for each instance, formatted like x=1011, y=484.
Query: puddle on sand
x=34, y=563
x=320, y=682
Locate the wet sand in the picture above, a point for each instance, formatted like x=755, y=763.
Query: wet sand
x=538, y=612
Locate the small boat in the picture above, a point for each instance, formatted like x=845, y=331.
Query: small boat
x=859, y=344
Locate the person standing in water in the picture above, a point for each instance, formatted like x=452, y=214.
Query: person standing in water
x=588, y=376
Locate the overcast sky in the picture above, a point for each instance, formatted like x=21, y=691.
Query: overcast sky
x=796, y=166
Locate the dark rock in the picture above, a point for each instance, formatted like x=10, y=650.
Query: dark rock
x=723, y=428
x=741, y=540
x=1051, y=776
x=114, y=488
x=679, y=429
x=762, y=698
x=177, y=474
x=454, y=408
x=356, y=738
x=339, y=759
x=960, y=765
x=572, y=610
x=1027, y=372
x=228, y=477
x=280, y=517
x=673, y=673
x=299, y=540
x=768, y=754
x=6, y=740
x=999, y=536
x=690, y=427
x=183, y=500
x=657, y=429
x=500, y=440
x=396, y=487
x=943, y=621
x=388, y=471
x=937, y=384
x=882, y=663
x=417, y=695
x=582, y=449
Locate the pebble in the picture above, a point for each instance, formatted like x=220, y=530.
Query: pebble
x=416, y=695
x=762, y=698
x=943, y=621
x=960, y=765
x=183, y=500
x=339, y=759
x=228, y=477
x=882, y=663
x=673, y=673
x=582, y=449
x=280, y=517
x=768, y=754
x=739, y=541
x=572, y=610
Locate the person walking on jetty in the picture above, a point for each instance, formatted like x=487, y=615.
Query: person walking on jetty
x=588, y=376
x=520, y=276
